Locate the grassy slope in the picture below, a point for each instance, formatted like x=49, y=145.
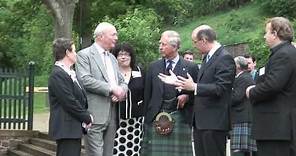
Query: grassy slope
x=233, y=26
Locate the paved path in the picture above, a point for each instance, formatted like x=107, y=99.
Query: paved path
x=40, y=121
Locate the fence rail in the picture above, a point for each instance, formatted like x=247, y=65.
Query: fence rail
x=16, y=104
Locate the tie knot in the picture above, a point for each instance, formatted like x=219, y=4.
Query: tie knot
x=208, y=58
x=170, y=61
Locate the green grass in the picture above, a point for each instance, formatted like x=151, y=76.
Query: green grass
x=40, y=103
x=232, y=26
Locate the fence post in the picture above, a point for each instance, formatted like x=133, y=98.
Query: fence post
x=31, y=95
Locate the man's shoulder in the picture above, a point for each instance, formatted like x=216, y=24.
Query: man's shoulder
x=86, y=50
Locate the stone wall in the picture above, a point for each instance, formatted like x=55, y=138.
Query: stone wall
x=11, y=138
x=237, y=49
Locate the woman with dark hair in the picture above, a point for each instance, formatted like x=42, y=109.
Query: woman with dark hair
x=130, y=133
x=67, y=100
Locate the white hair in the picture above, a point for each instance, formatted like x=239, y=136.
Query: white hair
x=173, y=37
x=101, y=28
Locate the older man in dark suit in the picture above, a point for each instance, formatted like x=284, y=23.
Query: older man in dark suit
x=242, y=144
x=161, y=98
x=211, y=121
x=274, y=96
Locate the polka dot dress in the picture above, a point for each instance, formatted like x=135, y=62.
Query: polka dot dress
x=129, y=137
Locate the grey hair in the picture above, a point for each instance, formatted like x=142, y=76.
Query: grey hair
x=101, y=28
x=241, y=62
x=174, y=38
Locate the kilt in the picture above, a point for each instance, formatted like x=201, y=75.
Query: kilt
x=175, y=144
x=240, y=137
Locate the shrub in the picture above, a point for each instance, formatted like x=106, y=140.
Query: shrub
x=141, y=28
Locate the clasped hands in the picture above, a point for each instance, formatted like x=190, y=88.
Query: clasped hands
x=118, y=94
x=87, y=126
x=180, y=82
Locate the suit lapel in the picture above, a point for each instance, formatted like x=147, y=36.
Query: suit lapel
x=99, y=61
x=205, y=64
x=161, y=69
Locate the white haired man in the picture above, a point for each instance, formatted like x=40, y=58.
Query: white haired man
x=99, y=73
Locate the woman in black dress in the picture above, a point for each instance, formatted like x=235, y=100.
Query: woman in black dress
x=130, y=132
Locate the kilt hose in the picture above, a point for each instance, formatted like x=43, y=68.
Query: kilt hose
x=177, y=143
x=240, y=138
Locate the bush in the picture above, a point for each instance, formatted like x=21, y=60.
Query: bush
x=259, y=49
x=284, y=8
x=141, y=28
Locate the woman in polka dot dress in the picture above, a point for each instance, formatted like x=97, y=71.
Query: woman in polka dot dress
x=129, y=135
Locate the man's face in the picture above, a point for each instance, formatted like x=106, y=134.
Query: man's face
x=198, y=44
x=251, y=64
x=188, y=57
x=166, y=50
x=109, y=38
x=269, y=36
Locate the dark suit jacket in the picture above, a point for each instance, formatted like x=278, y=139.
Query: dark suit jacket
x=213, y=98
x=153, y=93
x=67, y=106
x=240, y=104
x=274, y=97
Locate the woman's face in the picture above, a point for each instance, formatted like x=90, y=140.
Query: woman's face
x=124, y=59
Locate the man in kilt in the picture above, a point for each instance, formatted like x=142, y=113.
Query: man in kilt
x=212, y=93
x=241, y=142
x=164, y=101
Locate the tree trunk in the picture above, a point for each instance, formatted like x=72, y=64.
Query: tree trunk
x=84, y=34
x=63, y=12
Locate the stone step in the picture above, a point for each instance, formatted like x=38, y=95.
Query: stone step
x=36, y=150
x=43, y=135
x=15, y=152
x=47, y=144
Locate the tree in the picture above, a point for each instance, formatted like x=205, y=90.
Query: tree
x=63, y=12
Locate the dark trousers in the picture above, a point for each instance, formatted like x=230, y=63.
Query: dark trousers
x=68, y=147
x=209, y=142
x=273, y=148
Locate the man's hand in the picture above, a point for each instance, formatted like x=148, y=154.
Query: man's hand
x=168, y=79
x=248, y=90
x=182, y=99
x=118, y=94
x=185, y=84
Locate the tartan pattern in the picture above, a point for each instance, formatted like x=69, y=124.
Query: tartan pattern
x=241, y=137
x=178, y=143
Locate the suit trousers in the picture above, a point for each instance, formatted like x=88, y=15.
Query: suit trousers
x=99, y=140
x=209, y=142
x=67, y=147
x=273, y=148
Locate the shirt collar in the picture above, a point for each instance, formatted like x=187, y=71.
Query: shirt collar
x=216, y=46
x=175, y=60
x=69, y=71
x=99, y=48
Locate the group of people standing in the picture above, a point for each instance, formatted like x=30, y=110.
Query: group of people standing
x=123, y=110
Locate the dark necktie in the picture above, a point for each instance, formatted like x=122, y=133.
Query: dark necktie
x=169, y=66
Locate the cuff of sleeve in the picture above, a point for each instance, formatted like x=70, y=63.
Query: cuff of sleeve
x=195, y=88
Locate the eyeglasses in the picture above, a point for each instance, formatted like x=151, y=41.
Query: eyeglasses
x=123, y=54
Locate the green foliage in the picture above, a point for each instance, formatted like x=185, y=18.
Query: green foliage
x=26, y=31
x=141, y=28
x=259, y=49
x=238, y=23
x=279, y=7
x=173, y=11
x=204, y=7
